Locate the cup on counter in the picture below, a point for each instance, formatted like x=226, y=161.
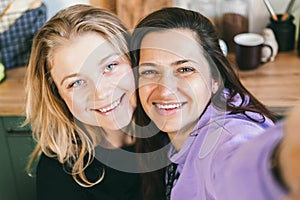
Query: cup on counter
x=248, y=50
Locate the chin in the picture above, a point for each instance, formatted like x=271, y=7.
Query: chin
x=121, y=124
x=168, y=128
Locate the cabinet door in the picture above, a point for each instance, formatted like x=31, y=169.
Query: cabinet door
x=7, y=180
x=20, y=146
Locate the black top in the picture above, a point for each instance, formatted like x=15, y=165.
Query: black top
x=54, y=182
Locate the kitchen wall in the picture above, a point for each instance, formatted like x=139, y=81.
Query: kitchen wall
x=258, y=19
x=261, y=15
x=55, y=5
x=130, y=11
x=258, y=13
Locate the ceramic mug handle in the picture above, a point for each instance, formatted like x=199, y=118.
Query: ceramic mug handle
x=271, y=54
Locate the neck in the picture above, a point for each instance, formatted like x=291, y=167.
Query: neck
x=179, y=137
x=116, y=138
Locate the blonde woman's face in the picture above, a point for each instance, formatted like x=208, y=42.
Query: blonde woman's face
x=95, y=81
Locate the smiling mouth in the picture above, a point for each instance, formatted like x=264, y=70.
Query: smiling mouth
x=111, y=106
x=168, y=106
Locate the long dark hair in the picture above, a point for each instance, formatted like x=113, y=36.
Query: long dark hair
x=207, y=36
x=178, y=18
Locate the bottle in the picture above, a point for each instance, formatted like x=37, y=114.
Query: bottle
x=2, y=72
x=233, y=20
x=285, y=32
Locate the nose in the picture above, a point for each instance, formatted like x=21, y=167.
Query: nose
x=168, y=84
x=102, y=89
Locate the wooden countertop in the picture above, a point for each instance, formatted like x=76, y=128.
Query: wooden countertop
x=276, y=84
x=12, y=93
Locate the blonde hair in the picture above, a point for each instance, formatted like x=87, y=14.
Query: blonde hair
x=56, y=131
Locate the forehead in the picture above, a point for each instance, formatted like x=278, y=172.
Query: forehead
x=82, y=48
x=181, y=42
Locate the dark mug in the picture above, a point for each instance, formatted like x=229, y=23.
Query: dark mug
x=248, y=50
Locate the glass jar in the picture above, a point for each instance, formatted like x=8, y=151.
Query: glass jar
x=233, y=20
x=285, y=32
x=205, y=7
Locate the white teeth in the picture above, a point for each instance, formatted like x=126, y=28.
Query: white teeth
x=111, y=106
x=169, y=106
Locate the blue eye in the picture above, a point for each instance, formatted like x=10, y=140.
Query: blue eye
x=76, y=83
x=109, y=67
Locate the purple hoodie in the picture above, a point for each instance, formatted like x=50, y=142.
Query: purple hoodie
x=227, y=157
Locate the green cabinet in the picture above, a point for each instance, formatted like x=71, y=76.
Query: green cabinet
x=16, y=145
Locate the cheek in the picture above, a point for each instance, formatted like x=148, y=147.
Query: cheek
x=203, y=98
x=74, y=104
x=125, y=78
x=68, y=99
x=144, y=93
x=70, y=103
x=133, y=102
x=126, y=83
x=201, y=92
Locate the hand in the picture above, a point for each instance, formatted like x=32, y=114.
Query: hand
x=289, y=154
x=293, y=197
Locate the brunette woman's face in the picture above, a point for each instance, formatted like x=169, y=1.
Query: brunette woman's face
x=95, y=81
x=175, y=83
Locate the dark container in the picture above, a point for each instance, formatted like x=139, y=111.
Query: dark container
x=284, y=32
x=299, y=40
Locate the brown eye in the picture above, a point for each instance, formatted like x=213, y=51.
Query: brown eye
x=185, y=69
x=148, y=72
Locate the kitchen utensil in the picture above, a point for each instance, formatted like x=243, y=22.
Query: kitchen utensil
x=271, y=10
x=288, y=10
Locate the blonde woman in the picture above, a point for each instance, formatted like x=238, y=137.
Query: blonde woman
x=80, y=103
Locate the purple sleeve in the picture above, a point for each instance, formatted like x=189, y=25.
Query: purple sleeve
x=246, y=172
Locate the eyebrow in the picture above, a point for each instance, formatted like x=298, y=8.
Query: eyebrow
x=105, y=59
x=178, y=62
x=147, y=65
x=69, y=76
x=101, y=61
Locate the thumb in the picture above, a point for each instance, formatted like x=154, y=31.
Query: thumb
x=289, y=155
x=293, y=197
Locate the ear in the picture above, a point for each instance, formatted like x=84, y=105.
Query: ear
x=214, y=86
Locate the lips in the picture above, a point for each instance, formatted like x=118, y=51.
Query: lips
x=168, y=109
x=112, y=106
